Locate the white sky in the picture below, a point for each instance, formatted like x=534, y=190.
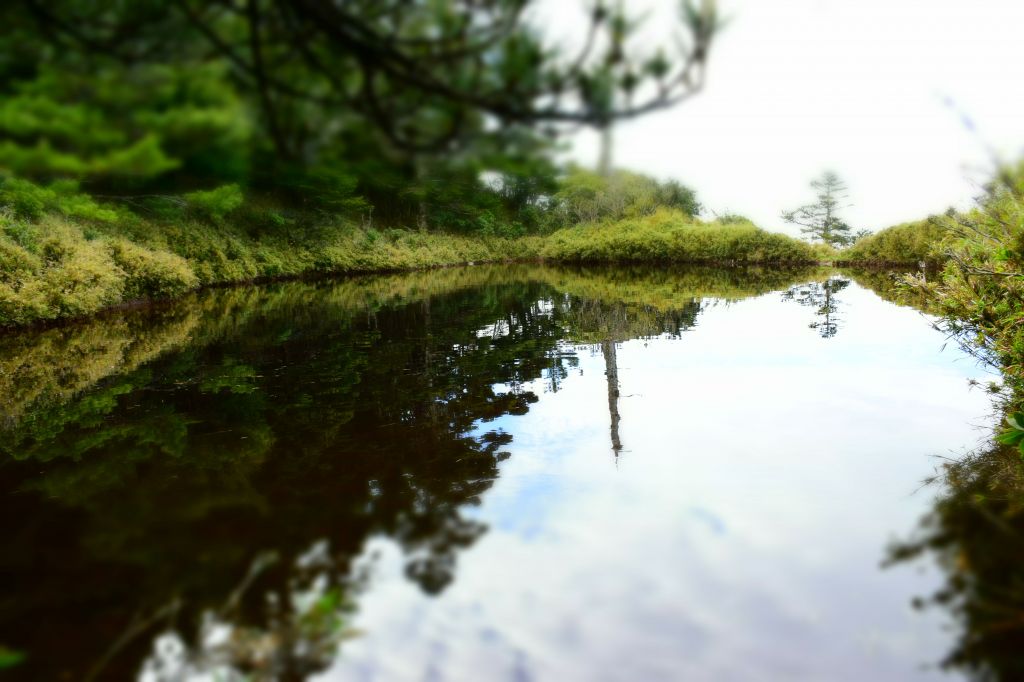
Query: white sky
x=859, y=86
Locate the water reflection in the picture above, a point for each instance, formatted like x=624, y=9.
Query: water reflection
x=821, y=296
x=283, y=422
x=191, y=490
x=976, y=534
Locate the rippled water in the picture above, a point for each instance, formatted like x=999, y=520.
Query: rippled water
x=515, y=473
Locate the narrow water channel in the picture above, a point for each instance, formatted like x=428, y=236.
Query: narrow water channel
x=492, y=473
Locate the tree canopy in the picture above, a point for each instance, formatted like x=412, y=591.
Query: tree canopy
x=398, y=102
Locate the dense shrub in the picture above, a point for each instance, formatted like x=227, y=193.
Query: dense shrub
x=69, y=276
x=909, y=243
x=151, y=274
x=56, y=268
x=24, y=198
x=669, y=235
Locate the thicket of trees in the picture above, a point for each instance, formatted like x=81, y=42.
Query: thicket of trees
x=394, y=111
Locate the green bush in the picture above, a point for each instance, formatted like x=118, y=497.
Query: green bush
x=215, y=204
x=909, y=243
x=82, y=281
x=21, y=232
x=151, y=274
x=584, y=196
x=82, y=207
x=16, y=262
x=25, y=199
x=674, y=236
x=73, y=277
x=30, y=201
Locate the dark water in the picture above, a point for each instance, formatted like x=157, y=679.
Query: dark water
x=512, y=473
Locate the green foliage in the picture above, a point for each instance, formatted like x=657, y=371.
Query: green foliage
x=670, y=235
x=906, y=244
x=1013, y=434
x=24, y=198
x=143, y=100
x=110, y=124
x=584, y=196
x=151, y=274
x=729, y=218
x=982, y=284
x=824, y=253
x=80, y=257
x=70, y=276
x=215, y=204
x=31, y=201
x=57, y=268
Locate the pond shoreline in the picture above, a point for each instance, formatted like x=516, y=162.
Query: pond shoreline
x=314, y=275
x=53, y=267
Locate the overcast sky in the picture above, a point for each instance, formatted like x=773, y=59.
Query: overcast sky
x=877, y=90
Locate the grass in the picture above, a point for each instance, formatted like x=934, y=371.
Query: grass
x=63, y=259
x=58, y=268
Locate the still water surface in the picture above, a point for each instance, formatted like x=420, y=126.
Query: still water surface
x=515, y=473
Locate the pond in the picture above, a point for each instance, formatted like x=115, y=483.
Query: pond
x=500, y=473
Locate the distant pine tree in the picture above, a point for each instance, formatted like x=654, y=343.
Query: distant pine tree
x=819, y=220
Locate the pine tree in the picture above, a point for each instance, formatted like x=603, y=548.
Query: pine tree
x=820, y=220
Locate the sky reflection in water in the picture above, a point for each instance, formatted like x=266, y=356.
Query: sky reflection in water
x=424, y=470
x=739, y=534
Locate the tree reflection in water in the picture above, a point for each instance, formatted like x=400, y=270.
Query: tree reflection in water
x=295, y=426
x=204, y=476
x=822, y=297
x=976, y=534
x=608, y=325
